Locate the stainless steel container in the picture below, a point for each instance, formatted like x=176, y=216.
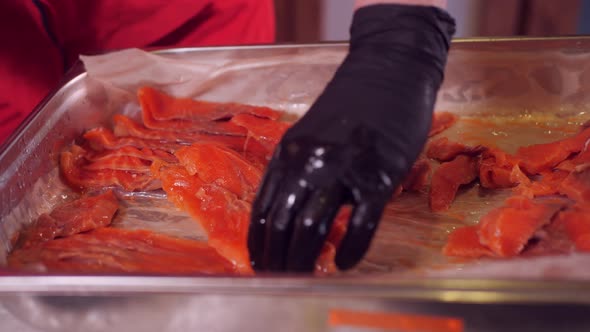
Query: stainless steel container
x=484, y=77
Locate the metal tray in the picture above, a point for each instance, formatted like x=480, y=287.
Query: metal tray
x=544, y=79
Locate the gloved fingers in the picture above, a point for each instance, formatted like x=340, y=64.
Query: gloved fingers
x=260, y=208
x=279, y=222
x=311, y=227
x=362, y=226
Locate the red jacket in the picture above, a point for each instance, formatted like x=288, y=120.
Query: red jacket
x=41, y=38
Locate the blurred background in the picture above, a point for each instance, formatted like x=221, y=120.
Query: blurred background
x=302, y=21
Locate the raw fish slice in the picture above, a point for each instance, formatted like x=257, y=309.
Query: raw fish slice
x=213, y=128
x=132, y=151
x=443, y=149
x=100, y=139
x=447, y=179
x=263, y=136
x=417, y=179
x=96, y=180
x=125, y=127
x=127, y=158
x=114, y=251
x=543, y=157
x=221, y=166
x=498, y=170
x=493, y=177
x=165, y=107
x=577, y=185
x=325, y=264
x=119, y=163
x=517, y=176
x=266, y=132
x=442, y=121
x=508, y=229
x=226, y=218
x=71, y=162
x=70, y=218
x=538, y=158
x=464, y=242
x=548, y=184
x=576, y=224
x=550, y=240
x=569, y=165
x=220, y=212
x=151, y=100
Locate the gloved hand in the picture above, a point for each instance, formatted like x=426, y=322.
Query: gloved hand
x=356, y=143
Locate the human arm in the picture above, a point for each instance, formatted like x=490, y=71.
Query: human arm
x=357, y=141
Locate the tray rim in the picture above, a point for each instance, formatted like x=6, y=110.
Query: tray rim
x=475, y=291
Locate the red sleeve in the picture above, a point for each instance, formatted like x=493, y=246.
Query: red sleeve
x=30, y=63
x=36, y=46
x=90, y=26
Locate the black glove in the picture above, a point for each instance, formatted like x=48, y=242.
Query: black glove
x=356, y=143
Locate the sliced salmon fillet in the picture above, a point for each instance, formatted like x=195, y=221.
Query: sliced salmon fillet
x=120, y=163
x=575, y=221
x=507, y=230
x=548, y=184
x=543, y=157
x=442, y=149
x=165, y=107
x=220, y=212
x=417, y=178
x=498, y=170
x=218, y=165
x=100, y=139
x=132, y=151
x=570, y=165
x=70, y=218
x=447, y=179
x=266, y=131
x=127, y=167
x=442, y=121
x=464, y=242
x=113, y=250
x=262, y=138
x=577, y=185
x=78, y=178
x=161, y=111
x=550, y=240
x=519, y=177
x=125, y=127
x=216, y=186
x=325, y=263
x=209, y=127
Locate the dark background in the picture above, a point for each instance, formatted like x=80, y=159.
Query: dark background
x=300, y=21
